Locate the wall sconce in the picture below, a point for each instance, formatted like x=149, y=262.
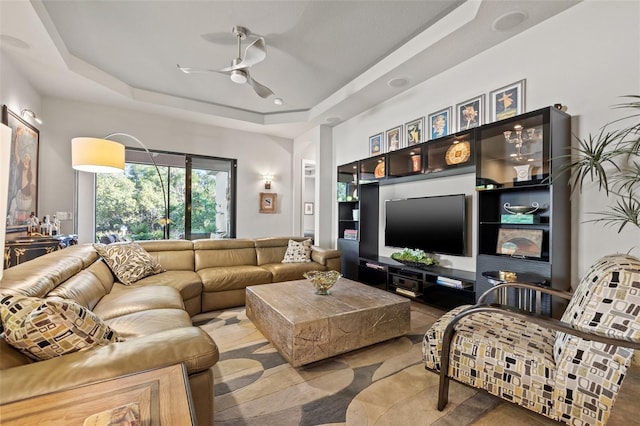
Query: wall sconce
x=32, y=115
x=267, y=181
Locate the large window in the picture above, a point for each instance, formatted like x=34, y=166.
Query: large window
x=201, y=194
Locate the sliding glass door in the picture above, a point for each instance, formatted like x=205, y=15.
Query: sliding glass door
x=200, y=192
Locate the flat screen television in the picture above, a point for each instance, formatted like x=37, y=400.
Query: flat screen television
x=433, y=224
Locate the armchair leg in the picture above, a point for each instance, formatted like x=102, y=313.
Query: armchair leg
x=443, y=391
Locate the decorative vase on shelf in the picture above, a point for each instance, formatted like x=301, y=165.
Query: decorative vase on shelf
x=523, y=172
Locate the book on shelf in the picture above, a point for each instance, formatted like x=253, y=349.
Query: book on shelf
x=451, y=282
x=350, y=234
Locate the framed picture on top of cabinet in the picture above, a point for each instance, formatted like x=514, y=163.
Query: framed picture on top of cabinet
x=507, y=101
x=394, y=138
x=470, y=113
x=23, y=169
x=520, y=242
x=413, y=130
x=439, y=123
x=375, y=145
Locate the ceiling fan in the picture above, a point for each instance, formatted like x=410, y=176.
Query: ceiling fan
x=239, y=69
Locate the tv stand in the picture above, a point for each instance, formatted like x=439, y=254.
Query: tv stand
x=435, y=285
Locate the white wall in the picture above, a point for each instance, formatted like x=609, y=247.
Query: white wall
x=256, y=154
x=585, y=58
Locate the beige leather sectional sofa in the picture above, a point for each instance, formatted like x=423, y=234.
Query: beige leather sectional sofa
x=153, y=315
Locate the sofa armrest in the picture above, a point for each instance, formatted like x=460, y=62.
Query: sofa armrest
x=190, y=345
x=326, y=257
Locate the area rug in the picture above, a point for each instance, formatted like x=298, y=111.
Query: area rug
x=383, y=384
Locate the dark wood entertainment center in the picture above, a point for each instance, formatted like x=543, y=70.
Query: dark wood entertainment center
x=513, y=161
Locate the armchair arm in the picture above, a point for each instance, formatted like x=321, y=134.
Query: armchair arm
x=541, y=320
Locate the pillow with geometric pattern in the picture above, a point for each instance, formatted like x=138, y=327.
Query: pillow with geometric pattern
x=128, y=261
x=46, y=328
x=298, y=252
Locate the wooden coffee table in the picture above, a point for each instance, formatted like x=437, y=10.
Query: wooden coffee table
x=306, y=327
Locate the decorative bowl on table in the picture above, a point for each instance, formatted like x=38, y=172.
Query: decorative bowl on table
x=322, y=280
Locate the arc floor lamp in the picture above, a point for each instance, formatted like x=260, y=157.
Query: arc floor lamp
x=103, y=155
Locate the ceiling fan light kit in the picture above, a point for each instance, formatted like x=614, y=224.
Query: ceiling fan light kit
x=255, y=53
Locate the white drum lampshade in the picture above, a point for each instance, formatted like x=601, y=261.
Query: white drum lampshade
x=97, y=155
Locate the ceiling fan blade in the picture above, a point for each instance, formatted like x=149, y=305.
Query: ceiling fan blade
x=191, y=70
x=262, y=90
x=254, y=53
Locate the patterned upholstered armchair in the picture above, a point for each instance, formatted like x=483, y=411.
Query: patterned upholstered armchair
x=570, y=369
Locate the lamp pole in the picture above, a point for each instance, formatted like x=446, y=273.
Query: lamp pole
x=165, y=226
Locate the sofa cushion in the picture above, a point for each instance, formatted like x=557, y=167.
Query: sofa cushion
x=47, y=328
x=188, y=283
x=128, y=261
x=149, y=322
x=233, y=277
x=291, y=271
x=298, y=252
x=124, y=300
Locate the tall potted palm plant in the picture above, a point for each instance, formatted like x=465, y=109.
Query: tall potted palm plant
x=611, y=159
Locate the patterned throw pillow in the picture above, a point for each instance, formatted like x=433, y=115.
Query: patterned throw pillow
x=298, y=252
x=128, y=261
x=46, y=328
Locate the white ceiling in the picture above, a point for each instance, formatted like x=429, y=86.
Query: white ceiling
x=328, y=60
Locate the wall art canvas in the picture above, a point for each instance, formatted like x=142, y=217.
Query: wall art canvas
x=23, y=169
x=439, y=123
x=394, y=138
x=507, y=101
x=268, y=202
x=375, y=144
x=470, y=113
x=413, y=131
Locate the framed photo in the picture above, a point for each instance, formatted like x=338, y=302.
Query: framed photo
x=470, y=113
x=393, y=137
x=268, y=202
x=507, y=101
x=375, y=144
x=520, y=242
x=413, y=130
x=308, y=208
x=23, y=169
x=439, y=123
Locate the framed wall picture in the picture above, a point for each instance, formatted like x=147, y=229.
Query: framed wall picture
x=507, y=101
x=413, y=130
x=23, y=169
x=470, y=113
x=375, y=144
x=393, y=138
x=268, y=202
x=439, y=123
x=520, y=242
x=308, y=208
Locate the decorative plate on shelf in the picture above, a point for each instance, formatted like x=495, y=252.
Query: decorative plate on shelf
x=379, y=170
x=458, y=153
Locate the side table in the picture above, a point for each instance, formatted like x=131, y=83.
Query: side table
x=523, y=298
x=155, y=397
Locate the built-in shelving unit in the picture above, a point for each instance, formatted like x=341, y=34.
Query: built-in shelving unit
x=523, y=217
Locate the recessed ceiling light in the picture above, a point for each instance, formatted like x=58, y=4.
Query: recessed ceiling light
x=13, y=41
x=278, y=101
x=509, y=20
x=397, y=82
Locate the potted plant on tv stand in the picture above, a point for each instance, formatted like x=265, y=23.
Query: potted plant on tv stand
x=611, y=159
x=414, y=257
